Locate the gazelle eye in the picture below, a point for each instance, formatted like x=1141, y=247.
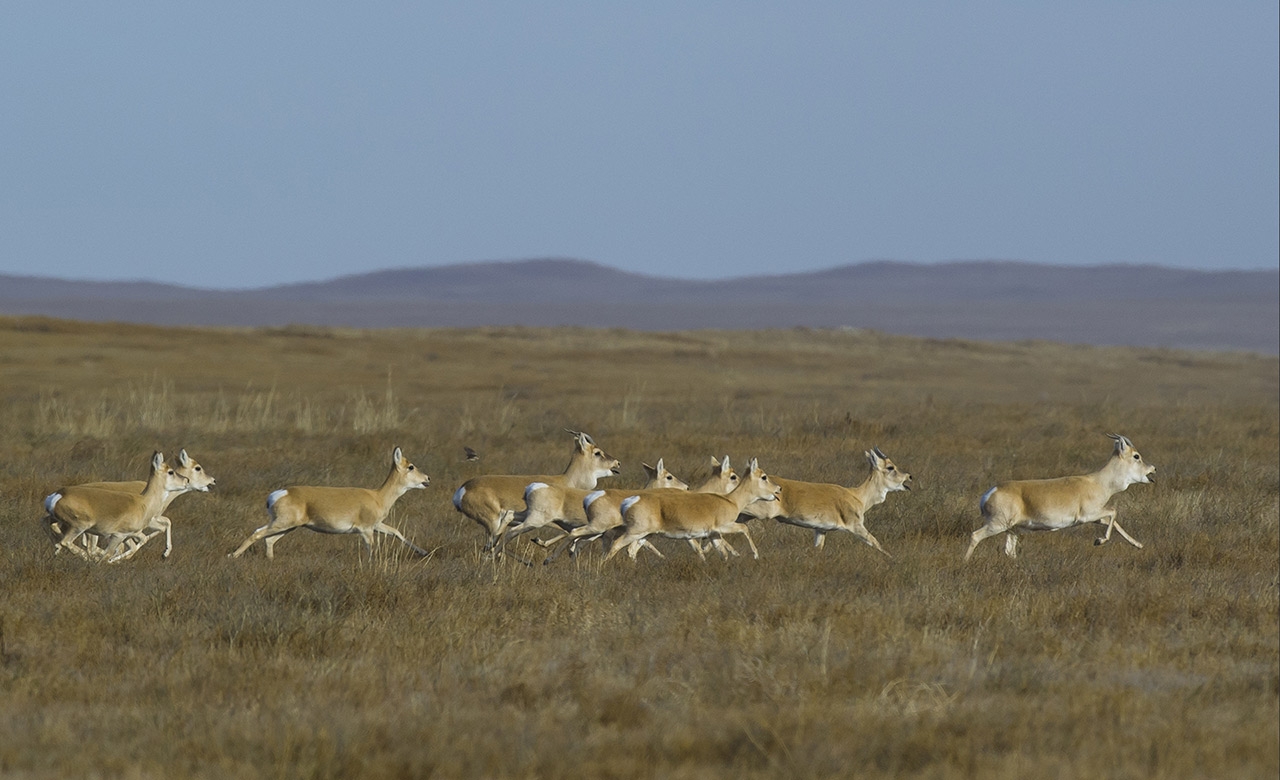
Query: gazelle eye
x=411, y=467
x=889, y=469
x=199, y=469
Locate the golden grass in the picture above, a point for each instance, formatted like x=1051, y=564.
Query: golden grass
x=1073, y=660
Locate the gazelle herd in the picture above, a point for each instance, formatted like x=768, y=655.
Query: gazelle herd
x=126, y=515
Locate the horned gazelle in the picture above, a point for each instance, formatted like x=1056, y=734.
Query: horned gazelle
x=197, y=480
x=681, y=515
x=823, y=508
x=113, y=514
x=604, y=509
x=340, y=510
x=1055, y=504
x=494, y=499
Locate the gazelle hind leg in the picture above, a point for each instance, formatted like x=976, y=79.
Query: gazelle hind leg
x=1011, y=545
x=269, y=532
x=988, y=529
x=624, y=541
x=68, y=541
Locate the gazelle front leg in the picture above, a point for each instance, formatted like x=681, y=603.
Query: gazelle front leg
x=1110, y=519
x=388, y=530
x=1126, y=535
x=859, y=530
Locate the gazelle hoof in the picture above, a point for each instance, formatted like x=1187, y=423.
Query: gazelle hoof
x=1099, y=542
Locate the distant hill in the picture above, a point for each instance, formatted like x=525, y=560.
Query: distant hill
x=996, y=300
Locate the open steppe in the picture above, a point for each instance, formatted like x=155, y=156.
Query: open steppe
x=1071, y=661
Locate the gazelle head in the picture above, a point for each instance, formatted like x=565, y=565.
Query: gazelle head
x=410, y=475
x=197, y=477
x=173, y=481
x=602, y=463
x=884, y=471
x=1133, y=467
x=660, y=477
x=759, y=483
x=723, y=478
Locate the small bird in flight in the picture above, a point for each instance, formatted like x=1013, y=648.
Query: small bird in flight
x=472, y=455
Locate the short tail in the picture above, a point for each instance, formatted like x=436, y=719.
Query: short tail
x=985, y=497
x=532, y=486
x=273, y=498
x=457, y=497
x=628, y=502
x=50, y=501
x=590, y=498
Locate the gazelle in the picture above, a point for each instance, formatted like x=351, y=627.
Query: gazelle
x=604, y=511
x=681, y=515
x=110, y=513
x=824, y=508
x=566, y=507
x=493, y=500
x=197, y=480
x=340, y=510
x=1055, y=504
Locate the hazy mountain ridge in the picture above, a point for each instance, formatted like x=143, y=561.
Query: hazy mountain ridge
x=999, y=300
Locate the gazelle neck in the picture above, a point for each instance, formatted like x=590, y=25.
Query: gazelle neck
x=873, y=490
x=579, y=474
x=1113, y=477
x=395, y=485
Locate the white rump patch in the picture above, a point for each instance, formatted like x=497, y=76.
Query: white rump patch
x=590, y=498
x=629, y=502
x=50, y=501
x=532, y=486
x=983, y=503
x=274, y=497
x=457, y=496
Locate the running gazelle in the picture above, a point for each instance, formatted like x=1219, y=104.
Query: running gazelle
x=339, y=510
x=1054, y=504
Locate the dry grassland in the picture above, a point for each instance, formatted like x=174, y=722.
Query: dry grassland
x=1071, y=661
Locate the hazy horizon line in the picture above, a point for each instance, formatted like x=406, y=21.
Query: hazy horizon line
x=674, y=277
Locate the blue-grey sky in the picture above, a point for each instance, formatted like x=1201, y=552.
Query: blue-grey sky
x=240, y=144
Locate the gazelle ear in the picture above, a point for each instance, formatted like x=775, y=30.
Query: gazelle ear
x=754, y=467
x=182, y=458
x=871, y=458
x=651, y=470
x=397, y=457
x=724, y=465
x=157, y=460
x=659, y=468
